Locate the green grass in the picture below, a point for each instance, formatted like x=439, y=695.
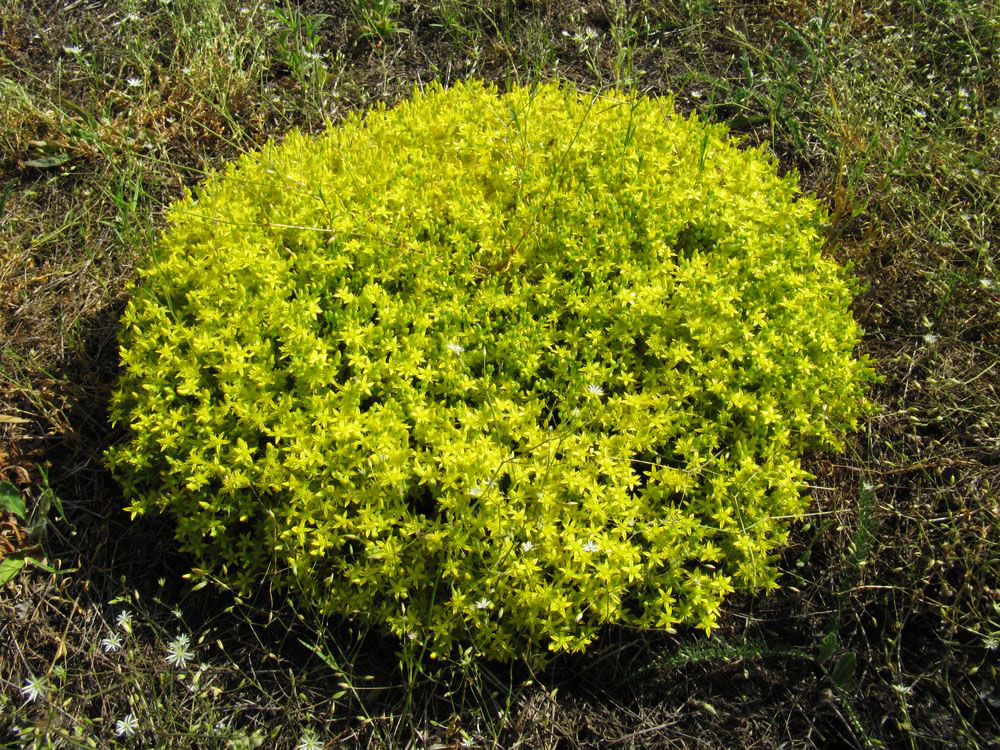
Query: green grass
x=886, y=631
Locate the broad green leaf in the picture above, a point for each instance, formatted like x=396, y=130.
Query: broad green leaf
x=843, y=670
x=9, y=568
x=46, y=162
x=10, y=500
x=827, y=647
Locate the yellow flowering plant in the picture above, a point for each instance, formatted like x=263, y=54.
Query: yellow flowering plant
x=490, y=370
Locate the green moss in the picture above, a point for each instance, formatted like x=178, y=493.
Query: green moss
x=490, y=370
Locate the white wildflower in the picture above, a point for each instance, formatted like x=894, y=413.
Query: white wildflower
x=133, y=81
x=595, y=390
x=696, y=94
x=72, y=50
x=986, y=283
x=179, y=651
x=112, y=643
x=930, y=338
x=484, y=603
x=456, y=348
x=309, y=741
x=126, y=727
x=527, y=546
x=34, y=688
x=584, y=38
x=124, y=620
x=590, y=546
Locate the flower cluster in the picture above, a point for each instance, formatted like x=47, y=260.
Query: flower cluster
x=658, y=337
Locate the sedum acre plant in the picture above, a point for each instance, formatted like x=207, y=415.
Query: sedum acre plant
x=490, y=371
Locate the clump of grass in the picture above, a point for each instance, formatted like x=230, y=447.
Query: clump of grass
x=132, y=673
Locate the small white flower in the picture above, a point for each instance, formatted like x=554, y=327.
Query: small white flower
x=309, y=741
x=867, y=486
x=930, y=338
x=986, y=283
x=132, y=17
x=112, y=643
x=527, y=546
x=179, y=651
x=484, y=603
x=456, y=348
x=696, y=94
x=72, y=50
x=124, y=620
x=920, y=113
x=126, y=727
x=476, y=491
x=963, y=92
x=133, y=81
x=590, y=546
x=595, y=390
x=34, y=688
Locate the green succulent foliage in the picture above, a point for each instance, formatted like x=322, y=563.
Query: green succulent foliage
x=490, y=370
